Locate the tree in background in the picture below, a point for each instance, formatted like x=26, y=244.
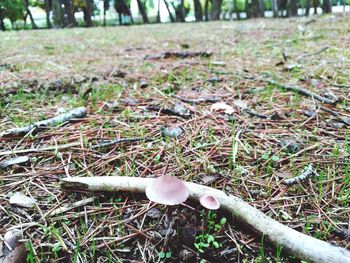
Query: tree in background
x=62, y=12
x=181, y=10
x=2, y=17
x=292, y=8
x=106, y=6
x=123, y=8
x=28, y=13
x=327, y=6
x=172, y=19
x=143, y=11
x=88, y=11
x=198, y=12
x=216, y=10
x=13, y=10
x=57, y=14
x=69, y=10
x=206, y=10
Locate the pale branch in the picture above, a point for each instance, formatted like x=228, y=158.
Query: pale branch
x=71, y=206
x=118, y=141
x=168, y=111
x=42, y=149
x=197, y=100
x=300, y=91
x=16, y=160
x=72, y=144
x=296, y=243
x=52, y=122
x=255, y=114
x=307, y=173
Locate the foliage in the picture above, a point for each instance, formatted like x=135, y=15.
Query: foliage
x=207, y=238
x=12, y=9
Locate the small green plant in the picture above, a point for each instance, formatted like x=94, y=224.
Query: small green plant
x=207, y=239
x=164, y=255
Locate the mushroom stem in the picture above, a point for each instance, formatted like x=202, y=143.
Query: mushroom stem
x=296, y=243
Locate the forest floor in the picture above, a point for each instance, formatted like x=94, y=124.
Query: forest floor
x=249, y=146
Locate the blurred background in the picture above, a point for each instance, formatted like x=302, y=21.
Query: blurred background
x=34, y=14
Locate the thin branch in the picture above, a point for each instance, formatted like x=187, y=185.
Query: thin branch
x=300, y=91
x=298, y=244
x=307, y=173
x=52, y=122
x=168, y=111
x=118, y=141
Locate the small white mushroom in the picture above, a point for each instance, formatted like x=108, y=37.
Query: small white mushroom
x=167, y=190
x=209, y=202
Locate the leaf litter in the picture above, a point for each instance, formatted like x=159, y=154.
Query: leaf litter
x=277, y=128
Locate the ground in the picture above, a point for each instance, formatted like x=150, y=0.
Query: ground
x=268, y=134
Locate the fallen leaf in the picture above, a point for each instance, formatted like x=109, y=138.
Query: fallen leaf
x=241, y=104
x=172, y=131
x=12, y=161
x=222, y=107
x=20, y=199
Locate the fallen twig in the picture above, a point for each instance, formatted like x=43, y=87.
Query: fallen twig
x=198, y=100
x=298, y=244
x=168, y=111
x=72, y=144
x=300, y=91
x=307, y=173
x=118, y=141
x=68, y=207
x=255, y=114
x=312, y=54
x=52, y=122
x=179, y=54
x=336, y=114
x=12, y=161
x=43, y=149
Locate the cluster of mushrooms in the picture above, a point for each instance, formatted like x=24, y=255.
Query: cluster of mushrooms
x=168, y=190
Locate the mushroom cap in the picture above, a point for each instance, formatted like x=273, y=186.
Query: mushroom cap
x=210, y=202
x=167, y=190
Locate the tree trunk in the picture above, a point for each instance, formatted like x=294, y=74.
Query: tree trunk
x=206, y=10
x=2, y=16
x=172, y=19
x=25, y=20
x=182, y=10
x=327, y=6
x=68, y=7
x=120, y=19
x=158, y=11
x=248, y=8
x=275, y=8
x=198, y=13
x=87, y=10
x=229, y=9
x=48, y=6
x=307, y=7
x=26, y=5
x=236, y=9
x=216, y=9
x=293, y=8
x=262, y=8
x=315, y=2
x=105, y=8
x=58, y=17
x=143, y=12
x=255, y=9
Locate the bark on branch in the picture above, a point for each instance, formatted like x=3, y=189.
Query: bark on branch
x=52, y=122
x=301, y=91
x=296, y=243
